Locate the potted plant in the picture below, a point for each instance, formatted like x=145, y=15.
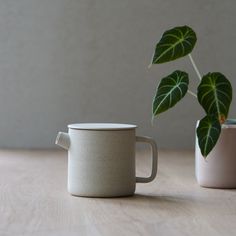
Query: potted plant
x=215, y=150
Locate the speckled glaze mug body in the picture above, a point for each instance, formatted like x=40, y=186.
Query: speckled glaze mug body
x=218, y=170
x=101, y=159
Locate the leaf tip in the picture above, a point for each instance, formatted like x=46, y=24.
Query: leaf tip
x=152, y=120
x=204, y=156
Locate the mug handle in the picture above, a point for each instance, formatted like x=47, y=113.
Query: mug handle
x=154, y=159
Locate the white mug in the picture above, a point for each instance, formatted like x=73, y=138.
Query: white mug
x=101, y=159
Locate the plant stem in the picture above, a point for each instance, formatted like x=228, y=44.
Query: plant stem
x=192, y=93
x=195, y=67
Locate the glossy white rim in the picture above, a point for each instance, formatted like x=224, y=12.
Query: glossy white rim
x=102, y=126
x=229, y=123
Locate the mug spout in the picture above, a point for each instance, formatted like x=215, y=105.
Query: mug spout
x=63, y=140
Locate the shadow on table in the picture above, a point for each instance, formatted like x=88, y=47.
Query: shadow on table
x=170, y=200
x=177, y=205
x=158, y=198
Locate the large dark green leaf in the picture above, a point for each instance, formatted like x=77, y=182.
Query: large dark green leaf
x=170, y=90
x=208, y=132
x=215, y=95
x=175, y=43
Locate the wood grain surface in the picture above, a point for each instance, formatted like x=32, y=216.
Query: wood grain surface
x=34, y=200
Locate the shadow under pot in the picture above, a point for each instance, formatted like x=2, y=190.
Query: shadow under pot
x=218, y=170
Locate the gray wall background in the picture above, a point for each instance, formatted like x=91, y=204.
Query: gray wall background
x=66, y=61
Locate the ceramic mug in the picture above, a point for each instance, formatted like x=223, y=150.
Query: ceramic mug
x=101, y=159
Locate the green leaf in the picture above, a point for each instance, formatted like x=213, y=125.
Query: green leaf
x=215, y=95
x=208, y=132
x=170, y=90
x=175, y=43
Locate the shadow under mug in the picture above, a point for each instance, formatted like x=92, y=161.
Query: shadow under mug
x=101, y=159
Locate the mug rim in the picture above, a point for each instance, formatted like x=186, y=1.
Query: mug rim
x=101, y=126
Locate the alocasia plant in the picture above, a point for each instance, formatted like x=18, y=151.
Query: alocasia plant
x=214, y=92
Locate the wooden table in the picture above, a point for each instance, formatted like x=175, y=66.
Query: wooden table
x=34, y=200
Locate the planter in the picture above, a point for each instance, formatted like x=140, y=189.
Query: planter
x=218, y=170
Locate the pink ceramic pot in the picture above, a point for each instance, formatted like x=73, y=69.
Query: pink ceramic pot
x=218, y=170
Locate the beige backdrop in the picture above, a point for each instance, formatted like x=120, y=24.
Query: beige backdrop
x=65, y=61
